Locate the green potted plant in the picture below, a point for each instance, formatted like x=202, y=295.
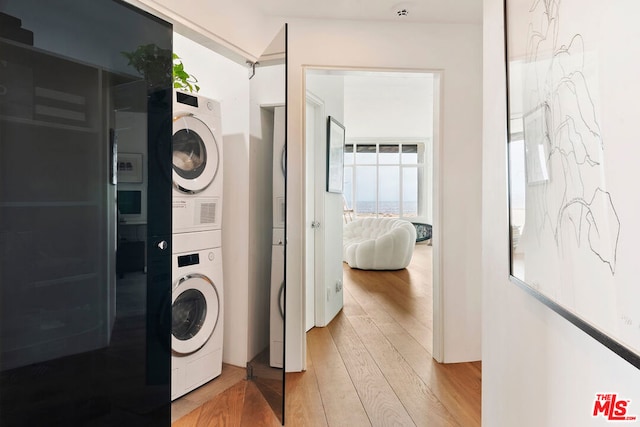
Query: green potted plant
x=181, y=79
x=152, y=62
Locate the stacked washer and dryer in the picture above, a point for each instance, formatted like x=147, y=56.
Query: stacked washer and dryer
x=197, y=286
x=276, y=312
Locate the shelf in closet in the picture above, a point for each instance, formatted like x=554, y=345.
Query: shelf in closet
x=47, y=89
x=64, y=280
x=54, y=204
x=48, y=339
x=50, y=125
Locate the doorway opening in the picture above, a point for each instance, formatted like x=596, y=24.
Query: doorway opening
x=390, y=169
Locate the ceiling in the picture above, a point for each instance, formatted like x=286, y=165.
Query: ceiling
x=432, y=11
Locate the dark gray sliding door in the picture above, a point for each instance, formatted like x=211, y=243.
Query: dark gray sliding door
x=269, y=114
x=85, y=214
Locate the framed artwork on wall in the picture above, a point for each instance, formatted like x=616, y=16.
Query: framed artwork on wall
x=130, y=167
x=536, y=140
x=573, y=203
x=335, y=155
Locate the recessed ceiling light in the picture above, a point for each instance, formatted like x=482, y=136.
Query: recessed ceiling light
x=401, y=9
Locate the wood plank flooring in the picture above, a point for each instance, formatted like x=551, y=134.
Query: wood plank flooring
x=371, y=366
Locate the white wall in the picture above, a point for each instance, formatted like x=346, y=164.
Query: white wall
x=398, y=105
x=454, y=49
x=223, y=80
x=538, y=369
x=331, y=89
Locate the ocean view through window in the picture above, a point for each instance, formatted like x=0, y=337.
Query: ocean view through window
x=385, y=179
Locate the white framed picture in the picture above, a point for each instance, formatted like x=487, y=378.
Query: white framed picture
x=129, y=167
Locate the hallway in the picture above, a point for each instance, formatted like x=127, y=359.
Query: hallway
x=371, y=366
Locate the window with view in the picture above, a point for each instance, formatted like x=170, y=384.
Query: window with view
x=385, y=179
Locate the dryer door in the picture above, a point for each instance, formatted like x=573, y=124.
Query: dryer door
x=195, y=311
x=195, y=154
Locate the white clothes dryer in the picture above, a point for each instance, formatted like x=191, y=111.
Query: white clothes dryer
x=276, y=312
x=279, y=166
x=197, y=310
x=197, y=163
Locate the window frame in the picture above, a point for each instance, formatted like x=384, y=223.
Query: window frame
x=420, y=166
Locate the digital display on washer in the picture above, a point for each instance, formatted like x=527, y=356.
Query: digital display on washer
x=183, y=98
x=191, y=259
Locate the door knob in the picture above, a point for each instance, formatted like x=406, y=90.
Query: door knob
x=315, y=224
x=163, y=245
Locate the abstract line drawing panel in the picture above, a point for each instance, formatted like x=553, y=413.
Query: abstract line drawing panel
x=572, y=118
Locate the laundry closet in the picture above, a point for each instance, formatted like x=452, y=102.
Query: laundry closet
x=251, y=112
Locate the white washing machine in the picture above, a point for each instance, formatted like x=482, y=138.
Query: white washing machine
x=276, y=314
x=197, y=311
x=197, y=163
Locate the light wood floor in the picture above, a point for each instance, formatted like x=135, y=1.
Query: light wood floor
x=371, y=366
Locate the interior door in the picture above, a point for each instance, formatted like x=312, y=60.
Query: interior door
x=311, y=129
x=85, y=111
x=268, y=95
x=324, y=98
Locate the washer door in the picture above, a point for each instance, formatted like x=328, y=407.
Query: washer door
x=281, y=300
x=195, y=154
x=194, y=313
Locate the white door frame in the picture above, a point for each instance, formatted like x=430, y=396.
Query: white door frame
x=437, y=240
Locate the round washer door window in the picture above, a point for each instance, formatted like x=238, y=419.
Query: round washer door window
x=194, y=313
x=195, y=154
